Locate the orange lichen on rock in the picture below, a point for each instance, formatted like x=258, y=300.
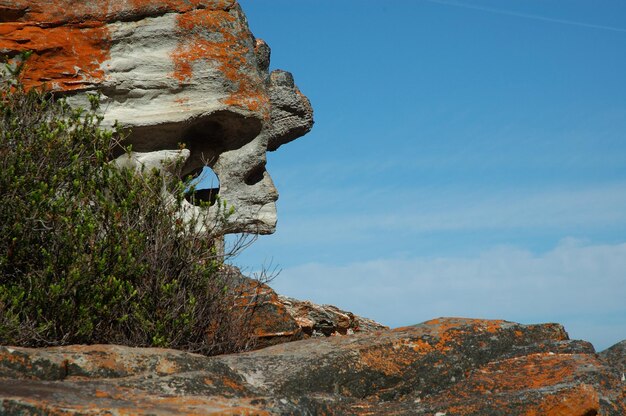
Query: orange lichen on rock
x=122, y=401
x=543, y=384
x=378, y=360
x=180, y=6
x=64, y=57
x=71, y=40
x=9, y=358
x=450, y=331
x=166, y=366
x=232, y=384
x=101, y=394
x=419, y=346
x=532, y=371
x=182, y=101
x=582, y=400
x=271, y=323
x=57, y=12
x=210, y=38
x=521, y=370
x=445, y=325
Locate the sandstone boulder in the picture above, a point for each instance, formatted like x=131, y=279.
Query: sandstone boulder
x=277, y=319
x=173, y=71
x=441, y=367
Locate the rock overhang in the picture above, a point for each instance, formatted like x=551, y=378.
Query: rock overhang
x=174, y=72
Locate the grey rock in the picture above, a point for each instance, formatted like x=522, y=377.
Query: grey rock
x=615, y=357
x=291, y=115
x=327, y=320
x=450, y=366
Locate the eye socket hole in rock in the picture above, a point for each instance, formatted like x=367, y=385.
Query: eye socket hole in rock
x=255, y=175
x=207, y=187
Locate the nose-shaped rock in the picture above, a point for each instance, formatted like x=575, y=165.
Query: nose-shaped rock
x=291, y=112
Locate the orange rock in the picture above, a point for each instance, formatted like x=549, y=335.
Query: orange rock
x=277, y=319
x=450, y=366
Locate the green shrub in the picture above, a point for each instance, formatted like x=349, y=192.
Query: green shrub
x=93, y=254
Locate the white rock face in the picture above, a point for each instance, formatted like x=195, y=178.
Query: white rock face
x=172, y=72
x=164, y=161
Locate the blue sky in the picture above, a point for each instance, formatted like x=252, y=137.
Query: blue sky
x=468, y=159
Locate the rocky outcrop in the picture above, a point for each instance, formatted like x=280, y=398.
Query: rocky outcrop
x=277, y=319
x=190, y=71
x=173, y=71
x=615, y=357
x=441, y=367
x=326, y=320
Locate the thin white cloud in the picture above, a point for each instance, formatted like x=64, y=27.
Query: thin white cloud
x=579, y=285
x=370, y=213
x=526, y=15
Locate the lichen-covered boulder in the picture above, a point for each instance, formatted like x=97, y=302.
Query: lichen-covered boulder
x=276, y=319
x=450, y=366
x=326, y=320
x=615, y=357
x=173, y=71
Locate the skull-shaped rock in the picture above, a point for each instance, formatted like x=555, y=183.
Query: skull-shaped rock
x=174, y=72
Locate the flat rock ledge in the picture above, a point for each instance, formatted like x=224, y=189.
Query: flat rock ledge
x=446, y=366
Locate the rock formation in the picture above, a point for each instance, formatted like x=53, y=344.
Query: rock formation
x=173, y=71
x=165, y=162
x=190, y=71
x=441, y=367
x=616, y=358
x=279, y=319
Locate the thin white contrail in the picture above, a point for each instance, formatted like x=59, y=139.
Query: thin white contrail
x=526, y=15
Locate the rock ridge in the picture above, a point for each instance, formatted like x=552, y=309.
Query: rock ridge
x=446, y=366
x=277, y=319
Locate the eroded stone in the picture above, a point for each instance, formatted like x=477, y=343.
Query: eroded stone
x=447, y=366
x=173, y=72
x=277, y=319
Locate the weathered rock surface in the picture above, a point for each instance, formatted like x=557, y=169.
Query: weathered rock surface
x=615, y=357
x=442, y=367
x=326, y=320
x=278, y=319
x=175, y=71
x=190, y=71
